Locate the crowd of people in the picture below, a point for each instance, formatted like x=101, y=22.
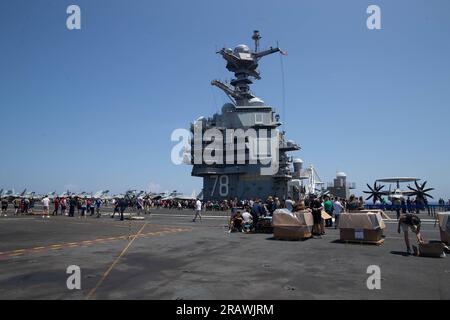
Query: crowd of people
x=68, y=206
x=246, y=215
x=91, y=206
x=408, y=205
x=248, y=218
x=21, y=205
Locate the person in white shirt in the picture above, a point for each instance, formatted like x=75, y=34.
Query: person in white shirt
x=289, y=204
x=246, y=216
x=46, y=205
x=337, y=209
x=198, y=208
x=140, y=205
x=248, y=221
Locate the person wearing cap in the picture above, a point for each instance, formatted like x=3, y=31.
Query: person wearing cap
x=410, y=221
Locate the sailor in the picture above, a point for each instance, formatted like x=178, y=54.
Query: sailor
x=410, y=221
x=122, y=205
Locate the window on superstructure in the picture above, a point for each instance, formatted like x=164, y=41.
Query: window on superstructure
x=259, y=118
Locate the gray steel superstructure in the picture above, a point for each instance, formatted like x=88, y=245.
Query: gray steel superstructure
x=243, y=179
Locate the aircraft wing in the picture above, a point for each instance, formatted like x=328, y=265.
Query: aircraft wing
x=183, y=197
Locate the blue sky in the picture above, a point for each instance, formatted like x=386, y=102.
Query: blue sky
x=95, y=108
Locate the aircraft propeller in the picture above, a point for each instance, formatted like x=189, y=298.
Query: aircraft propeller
x=420, y=192
x=375, y=192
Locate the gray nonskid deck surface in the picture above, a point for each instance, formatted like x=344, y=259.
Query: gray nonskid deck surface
x=175, y=258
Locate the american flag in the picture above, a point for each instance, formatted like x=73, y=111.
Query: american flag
x=284, y=53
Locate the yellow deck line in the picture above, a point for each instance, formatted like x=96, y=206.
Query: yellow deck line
x=19, y=252
x=16, y=254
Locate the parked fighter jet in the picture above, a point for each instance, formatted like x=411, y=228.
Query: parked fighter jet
x=31, y=195
x=52, y=195
x=66, y=194
x=11, y=194
x=102, y=194
x=174, y=195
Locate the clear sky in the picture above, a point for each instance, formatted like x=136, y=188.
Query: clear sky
x=94, y=108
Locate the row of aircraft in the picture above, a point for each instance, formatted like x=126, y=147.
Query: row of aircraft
x=101, y=194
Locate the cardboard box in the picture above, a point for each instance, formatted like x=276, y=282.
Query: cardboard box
x=292, y=225
x=361, y=220
x=381, y=212
x=444, y=226
x=351, y=234
x=361, y=226
x=291, y=233
x=445, y=236
x=433, y=249
x=325, y=216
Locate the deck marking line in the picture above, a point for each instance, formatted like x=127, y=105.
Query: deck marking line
x=114, y=264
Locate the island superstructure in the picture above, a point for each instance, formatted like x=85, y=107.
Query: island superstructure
x=246, y=111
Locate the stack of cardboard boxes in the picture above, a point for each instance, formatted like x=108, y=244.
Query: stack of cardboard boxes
x=361, y=226
x=436, y=248
x=292, y=225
